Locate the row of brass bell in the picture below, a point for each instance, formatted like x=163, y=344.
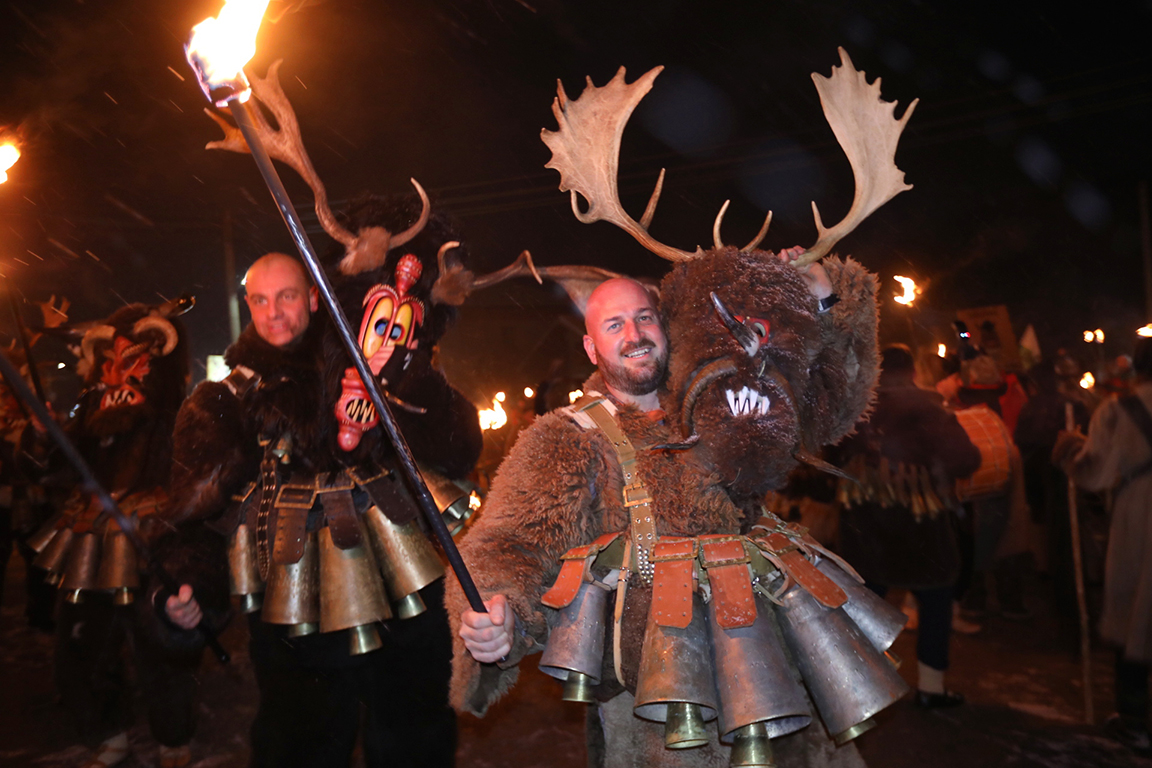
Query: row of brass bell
x=742, y=676
x=77, y=563
x=329, y=589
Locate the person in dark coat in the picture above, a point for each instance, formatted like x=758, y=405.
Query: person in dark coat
x=898, y=528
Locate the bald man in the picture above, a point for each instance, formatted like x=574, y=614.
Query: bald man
x=571, y=481
x=626, y=342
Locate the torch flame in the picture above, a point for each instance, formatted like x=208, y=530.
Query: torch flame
x=1087, y=381
x=1145, y=332
x=220, y=47
x=9, y=154
x=494, y=417
x=1089, y=337
x=942, y=350
x=910, y=290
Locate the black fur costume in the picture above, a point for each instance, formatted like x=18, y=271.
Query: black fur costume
x=135, y=365
x=311, y=689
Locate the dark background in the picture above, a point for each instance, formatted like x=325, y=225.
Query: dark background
x=1026, y=150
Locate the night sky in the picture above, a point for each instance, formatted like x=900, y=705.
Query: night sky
x=1026, y=151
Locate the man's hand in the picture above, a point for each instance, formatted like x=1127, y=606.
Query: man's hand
x=182, y=609
x=1068, y=446
x=814, y=275
x=488, y=636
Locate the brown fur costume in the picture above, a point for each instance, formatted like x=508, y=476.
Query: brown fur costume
x=561, y=485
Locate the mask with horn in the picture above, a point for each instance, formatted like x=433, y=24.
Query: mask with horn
x=399, y=270
x=755, y=374
x=135, y=365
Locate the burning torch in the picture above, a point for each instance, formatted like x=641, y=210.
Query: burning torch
x=9, y=154
x=218, y=51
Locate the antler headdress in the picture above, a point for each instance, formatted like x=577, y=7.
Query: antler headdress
x=364, y=250
x=586, y=151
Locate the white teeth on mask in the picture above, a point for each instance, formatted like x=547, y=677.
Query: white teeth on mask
x=747, y=402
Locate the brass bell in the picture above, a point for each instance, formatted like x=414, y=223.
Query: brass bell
x=406, y=558
x=54, y=579
x=452, y=499
x=575, y=650
x=123, y=596
x=880, y=621
x=675, y=684
x=244, y=569
x=40, y=539
x=251, y=603
x=293, y=596
x=55, y=552
x=117, y=563
x=302, y=629
x=411, y=605
x=578, y=688
x=80, y=570
x=751, y=748
x=753, y=678
x=846, y=736
x=684, y=726
x=363, y=639
x=351, y=594
x=75, y=596
x=850, y=681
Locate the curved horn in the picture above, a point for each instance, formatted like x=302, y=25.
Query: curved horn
x=716, y=369
x=456, y=283
x=91, y=336
x=759, y=235
x=716, y=225
x=425, y=211
x=745, y=336
x=157, y=323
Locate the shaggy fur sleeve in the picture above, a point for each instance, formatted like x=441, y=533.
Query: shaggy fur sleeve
x=543, y=503
x=209, y=454
x=851, y=354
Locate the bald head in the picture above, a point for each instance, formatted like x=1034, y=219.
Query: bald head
x=625, y=338
x=280, y=298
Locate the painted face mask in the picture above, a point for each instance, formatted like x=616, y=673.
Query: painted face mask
x=122, y=373
x=388, y=331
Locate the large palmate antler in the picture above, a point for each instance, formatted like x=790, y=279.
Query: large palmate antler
x=586, y=151
x=364, y=250
x=868, y=131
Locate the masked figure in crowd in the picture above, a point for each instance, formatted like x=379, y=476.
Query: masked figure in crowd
x=135, y=369
x=624, y=536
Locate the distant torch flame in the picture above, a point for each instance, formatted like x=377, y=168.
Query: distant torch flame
x=9, y=154
x=1145, y=332
x=494, y=417
x=528, y=392
x=575, y=395
x=1089, y=336
x=1087, y=381
x=1099, y=336
x=942, y=350
x=910, y=290
x=474, y=501
x=220, y=48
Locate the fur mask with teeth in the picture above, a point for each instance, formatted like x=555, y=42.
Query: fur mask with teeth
x=135, y=365
x=754, y=372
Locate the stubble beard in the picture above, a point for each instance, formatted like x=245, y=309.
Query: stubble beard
x=632, y=381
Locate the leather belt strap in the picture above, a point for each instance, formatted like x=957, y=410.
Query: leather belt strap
x=340, y=513
x=637, y=500
x=673, y=560
x=726, y=563
x=792, y=561
x=385, y=490
x=574, y=571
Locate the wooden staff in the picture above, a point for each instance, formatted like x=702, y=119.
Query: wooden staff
x=1078, y=569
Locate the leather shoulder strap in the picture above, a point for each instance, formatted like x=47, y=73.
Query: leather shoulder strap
x=637, y=500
